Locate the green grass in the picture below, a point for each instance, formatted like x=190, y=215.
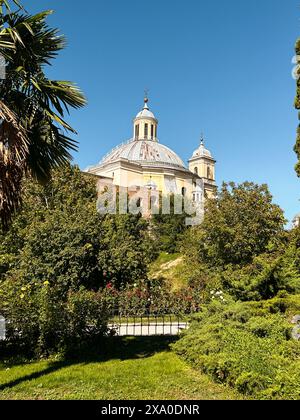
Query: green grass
x=171, y=268
x=132, y=368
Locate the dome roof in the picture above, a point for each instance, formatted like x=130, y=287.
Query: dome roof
x=202, y=151
x=145, y=113
x=144, y=152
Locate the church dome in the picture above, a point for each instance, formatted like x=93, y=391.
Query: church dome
x=145, y=153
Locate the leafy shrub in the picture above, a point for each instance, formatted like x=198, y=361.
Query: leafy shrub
x=250, y=383
x=41, y=320
x=245, y=345
x=264, y=278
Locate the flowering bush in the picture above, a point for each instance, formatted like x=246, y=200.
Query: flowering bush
x=41, y=321
x=151, y=298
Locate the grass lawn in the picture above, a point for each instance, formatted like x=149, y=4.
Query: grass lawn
x=169, y=267
x=131, y=368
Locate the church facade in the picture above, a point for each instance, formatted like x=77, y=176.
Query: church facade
x=144, y=162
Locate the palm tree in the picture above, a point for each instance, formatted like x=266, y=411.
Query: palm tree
x=33, y=132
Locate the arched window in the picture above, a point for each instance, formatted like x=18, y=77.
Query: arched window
x=137, y=131
x=196, y=171
x=208, y=172
x=183, y=192
x=152, y=131
x=146, y=131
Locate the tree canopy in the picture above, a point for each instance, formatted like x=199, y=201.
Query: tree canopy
x=59, y=237
x=238, y=225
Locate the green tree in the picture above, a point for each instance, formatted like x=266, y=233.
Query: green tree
x=59, y=237
x=168, y=229
x=238, y=225
x=32, y=107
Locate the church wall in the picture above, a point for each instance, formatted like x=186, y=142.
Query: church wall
x=129, y=178
x=202, y=167
x=157, y=178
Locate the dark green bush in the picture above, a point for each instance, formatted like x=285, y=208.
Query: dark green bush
x=247, y=346
x=250, y=383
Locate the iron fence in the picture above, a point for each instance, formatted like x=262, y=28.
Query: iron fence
x=147, y=325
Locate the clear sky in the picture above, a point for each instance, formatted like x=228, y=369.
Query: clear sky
x=221, y=67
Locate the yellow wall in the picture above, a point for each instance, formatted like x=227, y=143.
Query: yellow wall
x=202, y=166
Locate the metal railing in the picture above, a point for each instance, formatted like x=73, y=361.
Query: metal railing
x=147, y=325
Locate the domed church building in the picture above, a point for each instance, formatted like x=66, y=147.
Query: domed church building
x=145, y=162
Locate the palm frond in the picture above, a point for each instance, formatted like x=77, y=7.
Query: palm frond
x=6, y=4
x=14, y=148
x=49, y=148
x=32, y=140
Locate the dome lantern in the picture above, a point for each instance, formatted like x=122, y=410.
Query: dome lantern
x=145, y=124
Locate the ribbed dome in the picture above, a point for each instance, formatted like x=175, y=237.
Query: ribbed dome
x=144, y=152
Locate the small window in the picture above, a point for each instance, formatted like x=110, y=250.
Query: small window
x=209, y=172
x=183, y=192
x=196, y=171
x=146, y=130
x=152, y=131
x=137, y=131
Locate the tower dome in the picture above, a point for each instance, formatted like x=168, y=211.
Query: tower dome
x=202, y=151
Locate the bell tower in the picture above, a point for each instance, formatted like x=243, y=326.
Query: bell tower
x=203, y=164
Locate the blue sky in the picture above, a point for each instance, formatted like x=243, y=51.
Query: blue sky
x=221, y=67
